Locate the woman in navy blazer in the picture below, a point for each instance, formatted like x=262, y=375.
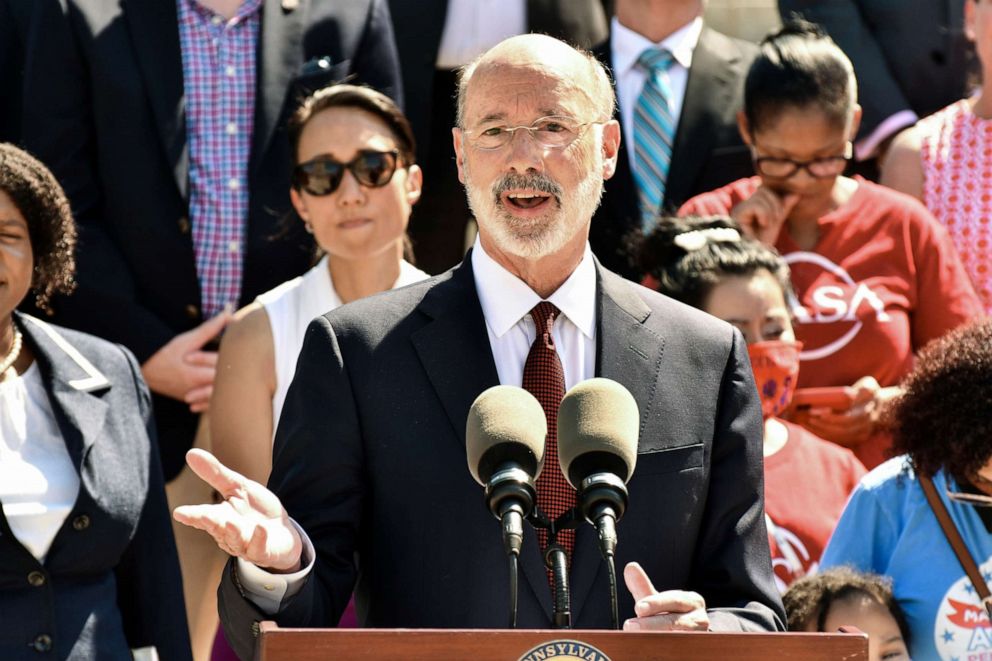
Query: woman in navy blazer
x=88, y=566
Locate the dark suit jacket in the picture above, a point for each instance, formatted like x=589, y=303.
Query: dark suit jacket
x=707, y=153
x=17, y=20
x=907, y=54
x=107, y=115
x=370, y=460
x=110, y=581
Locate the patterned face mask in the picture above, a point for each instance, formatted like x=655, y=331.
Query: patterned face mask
x=776, y=370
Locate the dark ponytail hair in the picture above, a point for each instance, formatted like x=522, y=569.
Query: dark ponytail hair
x=709, y=250
x=799, y=67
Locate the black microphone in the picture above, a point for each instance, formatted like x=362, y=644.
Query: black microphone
x=504, y=439
x=598, y=425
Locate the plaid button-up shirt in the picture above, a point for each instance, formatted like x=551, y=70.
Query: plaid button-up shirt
x=219, y=80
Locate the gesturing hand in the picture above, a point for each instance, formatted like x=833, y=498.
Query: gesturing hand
x=671, y=610
x=249, y=523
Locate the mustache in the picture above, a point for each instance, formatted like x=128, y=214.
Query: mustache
x=538, y=182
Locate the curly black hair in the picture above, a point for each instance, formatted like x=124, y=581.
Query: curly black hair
x=37, y=195
x=690, y=274
x=808, y=600
x=943, y=419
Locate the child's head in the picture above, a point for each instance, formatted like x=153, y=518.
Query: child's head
x=709, y=264
x=842, y=596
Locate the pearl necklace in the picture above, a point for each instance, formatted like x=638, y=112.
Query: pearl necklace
x=15, y=351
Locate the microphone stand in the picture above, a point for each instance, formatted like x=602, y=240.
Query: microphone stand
x=556, y=560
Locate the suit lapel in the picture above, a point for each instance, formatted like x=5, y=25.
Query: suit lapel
x=73, y=384
x=454, y=350
x=708, y=91
x=630, y=354
x=279, y=57
x=154, y=29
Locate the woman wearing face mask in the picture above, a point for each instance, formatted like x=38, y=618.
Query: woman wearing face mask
x=354, y=185
x=875, y=275
x=707, y=263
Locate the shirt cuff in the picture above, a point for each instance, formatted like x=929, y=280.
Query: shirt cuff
x=268, y=591
x=866, y=147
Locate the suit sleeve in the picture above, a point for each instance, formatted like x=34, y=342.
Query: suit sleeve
x=59, y=130
x=878, y=92
x=377, y=62
x=149, y=582
x=317, y=472
x=732, y=564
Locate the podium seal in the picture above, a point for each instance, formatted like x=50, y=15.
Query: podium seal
x=564, y=650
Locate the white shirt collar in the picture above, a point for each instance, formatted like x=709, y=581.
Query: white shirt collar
x=506, y=299
x=626, y=45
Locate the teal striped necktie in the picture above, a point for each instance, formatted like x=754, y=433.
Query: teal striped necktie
x=654, y=131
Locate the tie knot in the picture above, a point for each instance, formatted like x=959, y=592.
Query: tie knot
x=655, y=59
x=544, y=315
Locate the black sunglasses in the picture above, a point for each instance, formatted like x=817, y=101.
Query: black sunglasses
x=323, y=175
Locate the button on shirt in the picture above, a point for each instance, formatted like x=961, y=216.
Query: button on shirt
x=626, y=46
x=219, y=81
x=506, y=304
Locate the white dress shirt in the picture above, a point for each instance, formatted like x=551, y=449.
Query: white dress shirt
x=506, y=304
x=626, y=46
x=471, y=27
x=38, y=481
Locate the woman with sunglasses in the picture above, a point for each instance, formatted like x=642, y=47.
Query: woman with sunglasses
x=875, y=275
x=942, y=428
x=354, y=185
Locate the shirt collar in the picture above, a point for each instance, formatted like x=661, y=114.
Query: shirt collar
x=247, y=8
x=627, y=45
x=506, y=299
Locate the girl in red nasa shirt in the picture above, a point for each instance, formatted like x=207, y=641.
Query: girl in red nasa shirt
x=876, y=277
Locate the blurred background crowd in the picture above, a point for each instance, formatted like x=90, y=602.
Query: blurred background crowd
x=195, y=180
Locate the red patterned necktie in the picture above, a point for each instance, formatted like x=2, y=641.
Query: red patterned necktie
x=545, y=379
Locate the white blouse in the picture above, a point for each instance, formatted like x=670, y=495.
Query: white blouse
x=38, y=481
x=293, y=305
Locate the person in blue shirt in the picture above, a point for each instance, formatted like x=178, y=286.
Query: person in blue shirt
x=942, y=428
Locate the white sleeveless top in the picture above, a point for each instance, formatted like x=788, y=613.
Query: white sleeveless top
x=293, y=305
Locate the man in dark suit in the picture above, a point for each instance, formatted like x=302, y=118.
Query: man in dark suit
x=911, y=58
x=706, y=84
x=434, y=38
x=180, y=189
x=370, y=455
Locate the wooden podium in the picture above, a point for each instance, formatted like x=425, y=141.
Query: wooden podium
x=275, y=644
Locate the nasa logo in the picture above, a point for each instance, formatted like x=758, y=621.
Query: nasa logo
x=835, y=303
x=564, y=650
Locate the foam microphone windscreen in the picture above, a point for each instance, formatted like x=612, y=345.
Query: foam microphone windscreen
x=598, y=424
x=505, y=424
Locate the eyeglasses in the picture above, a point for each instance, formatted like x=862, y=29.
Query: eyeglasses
x=322, y=175
x=974, y=499
x=553, y=132
x=818, y=168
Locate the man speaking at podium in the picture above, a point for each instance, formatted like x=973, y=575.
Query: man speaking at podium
x=370, y=460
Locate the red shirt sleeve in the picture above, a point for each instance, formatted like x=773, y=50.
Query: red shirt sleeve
x=945, y=298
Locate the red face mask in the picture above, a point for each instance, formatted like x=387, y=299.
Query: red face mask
x=776, y=370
